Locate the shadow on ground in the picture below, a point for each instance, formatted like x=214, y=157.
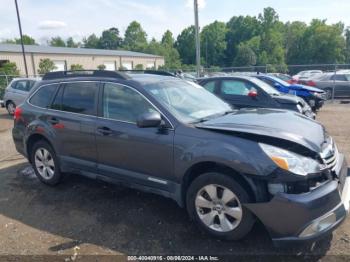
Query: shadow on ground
x=121, y=219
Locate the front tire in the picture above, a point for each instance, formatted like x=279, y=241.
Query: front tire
x=45, y=163
x=215, y=202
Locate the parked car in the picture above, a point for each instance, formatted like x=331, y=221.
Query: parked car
x=248, y=91
x=16, y=92
x=313, y=96
x=171, y=137
x=340, y=82
x=306, y=74
x=284, y=77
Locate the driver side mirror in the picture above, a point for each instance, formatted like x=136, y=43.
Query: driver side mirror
x=150, y=119
x=253, y=93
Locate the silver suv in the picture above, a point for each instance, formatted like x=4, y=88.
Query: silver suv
x=16, y=92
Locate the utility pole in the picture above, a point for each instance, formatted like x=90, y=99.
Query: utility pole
x=198, y=48
x=21, y=37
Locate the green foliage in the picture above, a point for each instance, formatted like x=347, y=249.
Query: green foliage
x=261, y=40
x=139, y=67
x=240, y=29
x=46, y=65
x=135, y=38
x=347, y=45
x=213, y=44
x=110, y=39
x=165, y=48
x=57, y=41
x=75, y=67
x=245, y=56
x=185, y=45
x=7, y=72
x=70, y=43
x=92, y=41
x=101, y=67
x=27, y=40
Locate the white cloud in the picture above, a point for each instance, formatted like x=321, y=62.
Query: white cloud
x=51, y=24
x=201, y=4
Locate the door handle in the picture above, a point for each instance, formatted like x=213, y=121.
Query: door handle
x=53, y=120
x=104, y=130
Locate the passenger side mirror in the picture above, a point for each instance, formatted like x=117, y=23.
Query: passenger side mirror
x=151, y=119
x=253, y=93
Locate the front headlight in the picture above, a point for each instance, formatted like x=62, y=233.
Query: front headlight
x=291, y=161
x=300, y=109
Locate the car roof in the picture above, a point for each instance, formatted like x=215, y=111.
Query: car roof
x=132, y=78
x=150, y=78
x=226, y=77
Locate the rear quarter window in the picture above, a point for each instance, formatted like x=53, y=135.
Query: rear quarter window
x=43, y=97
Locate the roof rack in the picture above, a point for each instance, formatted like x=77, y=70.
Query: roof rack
x=82, y=73
x=152, y=72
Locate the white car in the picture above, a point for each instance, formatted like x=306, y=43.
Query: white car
x=16, y=92
x=306, y=74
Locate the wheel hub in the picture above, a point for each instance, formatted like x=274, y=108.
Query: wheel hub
x=219, y=208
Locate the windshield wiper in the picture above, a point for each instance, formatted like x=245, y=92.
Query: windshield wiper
x=207, y=118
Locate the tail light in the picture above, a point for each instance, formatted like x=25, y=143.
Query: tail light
x=18, y=113
x=310, y=83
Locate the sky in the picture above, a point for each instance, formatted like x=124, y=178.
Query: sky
x=43, y=19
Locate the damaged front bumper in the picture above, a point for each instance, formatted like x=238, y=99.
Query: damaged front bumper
x=307, y=216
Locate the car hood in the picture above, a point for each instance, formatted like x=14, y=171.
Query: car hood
x=271, y=123
x=308, y=88
x=286, y=98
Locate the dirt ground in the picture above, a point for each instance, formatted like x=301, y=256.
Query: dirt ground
x=81, y=217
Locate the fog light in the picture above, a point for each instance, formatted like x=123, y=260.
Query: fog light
x=319, y=225
x=276, y=188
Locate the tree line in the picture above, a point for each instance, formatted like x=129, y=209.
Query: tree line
x=242, y=41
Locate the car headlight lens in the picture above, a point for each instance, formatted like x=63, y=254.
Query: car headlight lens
x=291, y=161
x=300, y=109
x=317, y=94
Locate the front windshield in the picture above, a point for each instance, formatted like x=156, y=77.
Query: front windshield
x=266, y=87
x=283, y=77
x=280, y=81
x=187, y=101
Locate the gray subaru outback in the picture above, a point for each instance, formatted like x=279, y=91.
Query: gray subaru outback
x=171, y=137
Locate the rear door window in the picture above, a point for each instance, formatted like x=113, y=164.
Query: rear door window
x=339, y=78
x=22, y=85
x=210, y=86
x=80, y=97
x=234, y=87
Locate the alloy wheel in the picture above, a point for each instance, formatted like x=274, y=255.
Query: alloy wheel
x=11, y=108
x=44, y=163
x=218, y=208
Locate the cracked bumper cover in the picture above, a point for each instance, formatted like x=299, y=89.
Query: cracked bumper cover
x=308, y=216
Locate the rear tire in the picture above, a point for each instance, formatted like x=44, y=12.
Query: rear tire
x=215, y=202
x=11, y=107
x=329, y=93
x=45, y=163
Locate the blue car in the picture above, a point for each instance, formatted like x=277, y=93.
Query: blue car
x=313, y=96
